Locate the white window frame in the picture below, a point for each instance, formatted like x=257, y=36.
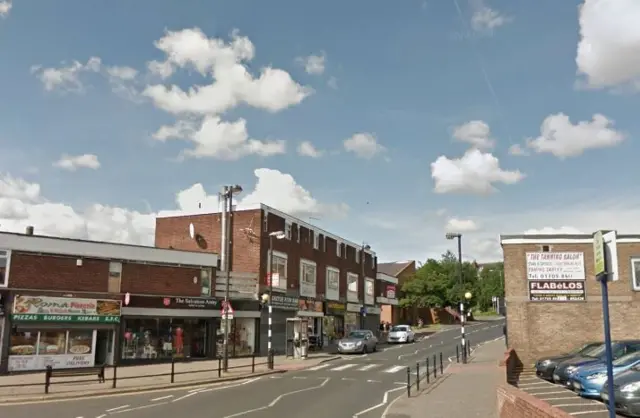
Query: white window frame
x=207, y=273
x=338, y=252
x=353, y=296
x=369, y=298
x=115, y=273
x=7, y=256
x=358, y=256
x=316, y=240
x=287, y=230
x=282, y=281
x=329, y=291
x=635, y=281
x=308, y=289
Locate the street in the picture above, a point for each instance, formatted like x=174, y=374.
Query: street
x=353, y=386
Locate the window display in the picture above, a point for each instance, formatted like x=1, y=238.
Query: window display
x=52, y=342
x=242, y=337
x=164, y=338
x=23, y=343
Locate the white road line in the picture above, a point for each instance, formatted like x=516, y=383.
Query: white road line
x=101, y=416
x=385, y=399
x=215, y=389
x=567, y=405
x=319, y=367
x=521, y=385
x=367, y=367
x=595, y=411
x=161, y=398
x=343, y=367
x=278, y=399
x=394, y=369
x=409, y=354
x=120, y=407
x=374, y=381
x=559, y=398
x=348, y=378
x=153, y=405
x=548, y=393
x=299, y=377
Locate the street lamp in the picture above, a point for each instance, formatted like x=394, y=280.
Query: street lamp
x=458, y=236
x=272, y=235
x=363, y=312
x=227, y=194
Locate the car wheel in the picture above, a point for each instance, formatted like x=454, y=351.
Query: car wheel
x=375, y=348
x=364, y=349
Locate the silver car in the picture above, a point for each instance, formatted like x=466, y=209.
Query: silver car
x=358, y=341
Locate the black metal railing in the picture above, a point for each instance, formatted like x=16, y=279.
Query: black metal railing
x=428, y=370
x=54, y=376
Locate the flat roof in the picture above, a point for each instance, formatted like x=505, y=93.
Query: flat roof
x=561, y=239
x=106, y=250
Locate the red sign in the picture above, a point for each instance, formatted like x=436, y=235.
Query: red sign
x=391, y=292
x=227, y=309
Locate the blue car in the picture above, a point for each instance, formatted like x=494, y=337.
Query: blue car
x=589, y=381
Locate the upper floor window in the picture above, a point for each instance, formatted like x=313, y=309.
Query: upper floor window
x=4, y=268
x=115, y=277
x=287, y=230
x=205, y=282
x=338, y=248
x=635, y=273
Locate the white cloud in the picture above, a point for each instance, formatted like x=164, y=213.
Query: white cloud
x=476, y=133
x=72, y=163
x=547, y=230
x=5, y=8
x=461, y=225
x=558, y=136
x=313, y=64
x=333, y=83
x=224, y=63
x=306, y=149
x=475, y=173
x=486, y=19
x=67, y=77
x=215, y=138
x=22, y=204
x=363, y=145
x=517, y=149
x=608, y=52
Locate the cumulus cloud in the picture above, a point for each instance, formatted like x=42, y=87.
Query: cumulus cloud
x=313, y=64
x=73, y=163
x=364, y=145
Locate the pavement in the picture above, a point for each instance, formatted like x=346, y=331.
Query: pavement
x=359, y=386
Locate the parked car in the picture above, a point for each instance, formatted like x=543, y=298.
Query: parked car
x=626, y=390
x=358, y=341
x=590, y=380
x=568, y=368
x=401, y=334
x=546, y=366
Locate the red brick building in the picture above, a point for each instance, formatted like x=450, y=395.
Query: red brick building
x=553, y=300
x=71, y=303
x=320, y=276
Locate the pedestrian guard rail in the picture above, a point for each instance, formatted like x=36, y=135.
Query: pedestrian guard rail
x=53, y=376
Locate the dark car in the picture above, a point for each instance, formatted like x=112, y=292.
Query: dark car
x=546, y=366
x=626, y=390
x=565, y=370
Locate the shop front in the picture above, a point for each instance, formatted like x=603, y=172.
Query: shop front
x=352, y=317
x=283, y=307
x=333, y=321
x=372, y=319
x=61, y=332
x=313, y=310
x=243, y=336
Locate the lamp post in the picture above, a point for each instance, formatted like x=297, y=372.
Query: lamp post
x=363, y=312
x=272, y=235
x=458, y=236
x=227, y=194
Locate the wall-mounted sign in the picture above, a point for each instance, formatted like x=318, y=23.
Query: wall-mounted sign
x=54, y=309
x=555, y=266
x=335, y=308
x=353, y=307
x=391, y=291
x=159, y=302
x=557, y=290
x=286, y=303
x=309, y=305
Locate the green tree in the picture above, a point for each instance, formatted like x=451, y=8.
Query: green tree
x=490, y=284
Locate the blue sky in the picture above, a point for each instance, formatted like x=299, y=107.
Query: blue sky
x=404, y=74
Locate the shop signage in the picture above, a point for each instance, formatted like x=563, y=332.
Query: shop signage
x=159, y=302
x=557, y=290
x=391, y=292
x=335, y=308
x=40, y=362
x=287, y=303
x=309, y=305
x=54, y=309
x=373, y=310
x=555, y=266
x=194, y=303
x=353, y=307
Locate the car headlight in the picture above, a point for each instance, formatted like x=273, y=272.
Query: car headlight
x=359, y=343
x=597, y=376
x=631, y=387
x=545, y=363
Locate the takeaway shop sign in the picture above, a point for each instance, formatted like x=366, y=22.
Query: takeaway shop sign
x=557, y=290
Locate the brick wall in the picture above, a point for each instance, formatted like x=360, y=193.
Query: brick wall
x=514, y=403
x=537, y=329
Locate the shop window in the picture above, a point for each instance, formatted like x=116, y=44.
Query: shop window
x=205, y=282
x=115, y=277
x=23, y=342
x=52, y=342
x=635, y=273
x=287, y=230
x=4, y=268
x=280, y=267
x=80, y=342
x=242, y=337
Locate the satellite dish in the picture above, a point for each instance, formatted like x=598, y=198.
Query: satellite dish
x=192, y=231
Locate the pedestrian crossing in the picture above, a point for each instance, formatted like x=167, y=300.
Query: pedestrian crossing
x=359, y=367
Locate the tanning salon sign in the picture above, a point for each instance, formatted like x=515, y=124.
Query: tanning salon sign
x=556, y=277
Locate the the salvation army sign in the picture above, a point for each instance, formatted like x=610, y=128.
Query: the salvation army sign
x=556, y=277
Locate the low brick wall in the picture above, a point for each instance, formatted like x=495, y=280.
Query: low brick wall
x=514, y=403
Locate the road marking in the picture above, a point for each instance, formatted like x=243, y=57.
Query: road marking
x=161, y=398
x=595, y=411
x=385, y=399
x=120, y=407
x=559, y=398
x=521, y=385
x=394, y=369
x=153, y=405
x=299, y=377
x=101, y=416
x=319, y=367
x=348, y=378
x=374, y=381
x=278, y=399
x=343, y=367
x=215, y=389
x=367, y=367
x=548, y=393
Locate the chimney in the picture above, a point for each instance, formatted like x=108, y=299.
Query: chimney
x=29, y=230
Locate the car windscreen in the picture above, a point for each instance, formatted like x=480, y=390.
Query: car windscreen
x=627, y=360
x=585, y=348
x=399, y=329
x=598, y=351
x=358, y=335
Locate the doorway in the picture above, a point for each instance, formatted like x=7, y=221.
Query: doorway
x=104, y=347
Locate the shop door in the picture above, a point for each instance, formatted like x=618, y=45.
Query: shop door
x=103, y=344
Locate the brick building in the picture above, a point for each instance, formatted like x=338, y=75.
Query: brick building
x=74, y=303
x=320, y=276
x=394, y=274
x=553, y=300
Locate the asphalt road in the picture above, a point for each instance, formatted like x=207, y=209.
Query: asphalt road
x=353, y=386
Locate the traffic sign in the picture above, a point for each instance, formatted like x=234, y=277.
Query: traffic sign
x=598, y=254
x=227, y=310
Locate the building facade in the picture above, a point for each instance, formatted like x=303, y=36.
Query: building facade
x=316, y=275
x=72, y=303
x=553, y=300
x=401, y=271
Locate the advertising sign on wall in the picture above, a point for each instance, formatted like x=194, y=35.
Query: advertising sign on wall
x=556, y=277
x=391, y=291
x=67, y=361
x=53, y=309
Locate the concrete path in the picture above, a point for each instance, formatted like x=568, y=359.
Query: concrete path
x=467, y=390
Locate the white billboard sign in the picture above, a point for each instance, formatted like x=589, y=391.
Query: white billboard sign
x=555, y=266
